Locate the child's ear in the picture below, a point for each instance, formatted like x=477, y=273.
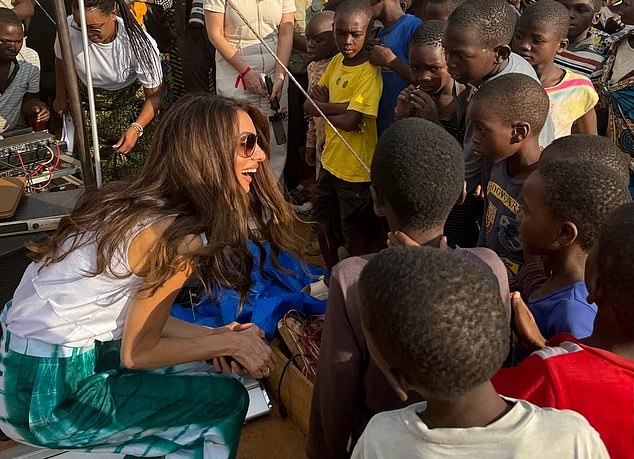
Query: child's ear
x=596, y=18
x=398, y=383
x=463, y=194
x=567, y=234
x=502, y=53
x=521, y=130
x=595, y=291
x=563, y=44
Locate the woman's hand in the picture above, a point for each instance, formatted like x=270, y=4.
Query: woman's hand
x=127, y=141
x=60, y=105
x=276, y=91
x=255, y=83
x=252, y=353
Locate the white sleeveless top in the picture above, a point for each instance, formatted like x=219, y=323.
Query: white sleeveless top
x=62, y=305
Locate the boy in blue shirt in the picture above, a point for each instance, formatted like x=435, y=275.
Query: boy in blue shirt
x=563, y=206
x=390, y=52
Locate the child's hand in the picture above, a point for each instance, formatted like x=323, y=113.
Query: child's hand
x=528, y=333
x=40, y=111
x=424, y=106
x=404, y=103
x=613, y=24
x=319, y=93
x=310, y=156
x=381, y=56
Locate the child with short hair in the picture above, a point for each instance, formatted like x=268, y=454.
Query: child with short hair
x=507, y=114
x=586, y=44
x=563, y=206
x=591, y=148
x=437, y=327
x=429, y=74
x=389, y=51
x=428, y=10
x=540, y=35
x=477, y=50
x=581, y=147
x=595, y=376
x=321, y=47
x=348, y=94
x=477, y=47
x=417, y=176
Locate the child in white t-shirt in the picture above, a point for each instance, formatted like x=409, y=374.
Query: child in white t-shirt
x=437, y=326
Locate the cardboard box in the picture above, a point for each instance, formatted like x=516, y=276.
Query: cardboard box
x=296, y=390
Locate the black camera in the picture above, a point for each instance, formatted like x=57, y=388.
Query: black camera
x=277, y=118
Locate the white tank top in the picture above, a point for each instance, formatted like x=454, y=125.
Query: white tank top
x=60, y=304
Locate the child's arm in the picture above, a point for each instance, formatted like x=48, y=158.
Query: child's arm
x=382, y=56
x=347, y=121
x=327, y=107
x=587, y=124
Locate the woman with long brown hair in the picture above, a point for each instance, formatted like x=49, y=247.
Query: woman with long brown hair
x=90, y=357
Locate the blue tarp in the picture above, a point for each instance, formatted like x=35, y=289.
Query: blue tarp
x=271, y=296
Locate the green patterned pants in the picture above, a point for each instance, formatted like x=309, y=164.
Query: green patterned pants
x=115, y=111
x=80, y=398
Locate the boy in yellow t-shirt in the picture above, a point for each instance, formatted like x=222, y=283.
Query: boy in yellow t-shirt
x=348, y=94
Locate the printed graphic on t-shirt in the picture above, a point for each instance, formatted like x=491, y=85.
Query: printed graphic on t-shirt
x=344, y=84
x=501, y=219
x=490, y=217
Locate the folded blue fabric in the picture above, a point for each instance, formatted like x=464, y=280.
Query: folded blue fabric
x=272, y=295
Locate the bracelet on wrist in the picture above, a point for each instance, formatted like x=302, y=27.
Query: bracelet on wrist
x=240, y=78
x=138, y=127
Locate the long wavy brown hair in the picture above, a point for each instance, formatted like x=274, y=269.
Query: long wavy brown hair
x=189, y=173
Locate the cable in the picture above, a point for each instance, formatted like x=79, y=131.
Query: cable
x=299, y=86
x=50, y=170
x=282, y=409
x=45, y=12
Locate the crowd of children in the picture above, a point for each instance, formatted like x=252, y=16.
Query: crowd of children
x=490, y=158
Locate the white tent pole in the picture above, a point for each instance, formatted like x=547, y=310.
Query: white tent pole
x=91, y=93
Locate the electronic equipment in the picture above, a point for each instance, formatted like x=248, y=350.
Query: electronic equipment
x=41, y=212
x=277, y=118
x=22, y=150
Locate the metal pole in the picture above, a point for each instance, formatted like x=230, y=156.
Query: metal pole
x=91, y=94
x=73, y=94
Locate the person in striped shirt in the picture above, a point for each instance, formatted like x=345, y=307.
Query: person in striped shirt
x=587, y=45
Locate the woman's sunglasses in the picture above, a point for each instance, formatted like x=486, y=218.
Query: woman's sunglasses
x=90, y=31
x=248, y=142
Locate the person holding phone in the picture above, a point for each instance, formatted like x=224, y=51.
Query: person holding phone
x=242, y=61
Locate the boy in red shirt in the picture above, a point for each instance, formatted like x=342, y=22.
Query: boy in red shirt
x=594, y=377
